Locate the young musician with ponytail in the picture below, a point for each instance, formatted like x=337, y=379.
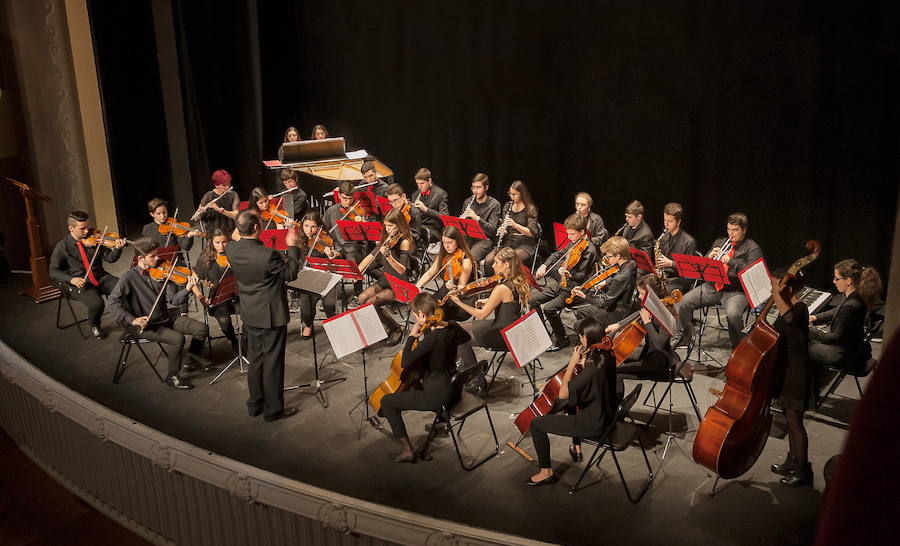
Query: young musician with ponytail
x=452, y=243
x=518, y=226
x=210, y=268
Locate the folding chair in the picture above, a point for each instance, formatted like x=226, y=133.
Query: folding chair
x=129, y=340
x=64, y=295
x=859, y=365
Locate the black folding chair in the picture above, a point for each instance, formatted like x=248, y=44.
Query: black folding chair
x=129, y=340
x=65, y=295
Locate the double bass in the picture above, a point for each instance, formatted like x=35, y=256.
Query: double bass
x=734, y=431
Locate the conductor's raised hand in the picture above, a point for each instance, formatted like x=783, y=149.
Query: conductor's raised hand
x=291, y=239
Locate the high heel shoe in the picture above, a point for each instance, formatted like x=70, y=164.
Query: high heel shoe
x=800, y=476
x=576, y=455
x=785, y=468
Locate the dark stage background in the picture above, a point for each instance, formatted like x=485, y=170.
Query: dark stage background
x=788, y=113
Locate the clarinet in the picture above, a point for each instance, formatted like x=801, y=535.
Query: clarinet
x=620, y=230
x=504, y=228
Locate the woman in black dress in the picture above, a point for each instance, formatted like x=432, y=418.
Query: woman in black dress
x=311, y=225
x=519, y=225
x=455, y=264
x=592, y=392
x=221, y=213
x=434, y=357
x=794, y=370
x=209, y=268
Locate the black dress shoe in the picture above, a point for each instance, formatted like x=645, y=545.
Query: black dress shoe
x=97, y=332
x=195, y=363
x=176, y=381
x=283, y=414
x=189, y=367
x=254, y=412
x=800, y=476
x=577, y=456
x=785, y=468
x=546, y=481
x=559, y=344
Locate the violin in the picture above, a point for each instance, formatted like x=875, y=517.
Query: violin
x=630, y=336
x=452, y=264
x=320, y=243
x=474, y=287
x=109, y=240
x=355, y=212
x=400, y=379
x=546, y=402
x=280, y=216
x=179, y=229
x=390, y=242
x=574, y=257
x=405, y=210
x=597, y=279
x=180, y=275
x=734, y=431
x=222, y=260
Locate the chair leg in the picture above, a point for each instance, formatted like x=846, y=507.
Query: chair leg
x=152, y=363
x=592, y=461
x=495, y=364
x=831, y=388
x=658, y=404
x=646, y=485
x=475, y=464
x=858, y=388
x=693, y=397
x=649, y=393
x=422, y=452
x=75, y=320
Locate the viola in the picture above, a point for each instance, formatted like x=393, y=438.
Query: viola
x=545, y=403
x=629, y=337
x=108, y=240
x=572, y=261
x=400, y=379
x=179, y=229
x=474, y=287
x=452, y=264
x=734, y=431
x=597, y=279
x=222, y=260
x=180, y=275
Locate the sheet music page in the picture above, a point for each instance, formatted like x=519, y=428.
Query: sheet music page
x=368, y=322
x=527, y=338
x=315, y=280
x=659, y=311
x=757, y=284
x=343, y=334
x=358, y=154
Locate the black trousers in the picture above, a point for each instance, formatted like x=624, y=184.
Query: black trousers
x=435, y=391
x=222, y=313
x=481, y=248
x=308, y=305
x=265, y=378
x=562, y=425
x=90, y=296
x=172, y=334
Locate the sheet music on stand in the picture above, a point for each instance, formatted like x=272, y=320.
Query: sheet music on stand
x=384, y=205
x=660, y=312
x=354, y=330
x=348, y=269
x=360, y=231
x=467, y=226
x=560, y=237
x=642, y=260
x=698, y=267
x=529, y=278
x=315, y=281
x=756, y=282
x=274, y=238
x=526, y=338
x=224, y=291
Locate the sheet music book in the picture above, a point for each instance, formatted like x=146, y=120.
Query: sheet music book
x=467, y=226
x=661, y=314
x=315, y=281
x=757, y=283
x=354, y=330
x=526, y=338
x=403, y=291
x=642, y=260
x=357, y=154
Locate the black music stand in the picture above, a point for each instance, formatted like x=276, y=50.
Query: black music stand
x=312, y=286
x=701, y=269
x=226, y=291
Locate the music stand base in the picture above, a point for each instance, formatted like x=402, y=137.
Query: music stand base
x=317, y=388
x=239, y=358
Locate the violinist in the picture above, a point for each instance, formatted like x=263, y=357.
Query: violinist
x=454, y=263
x=435, y=355
x=507, y=301
x=595, y=226
x=431, y=200
x=572, y=264
x=613, y=301
x=315, y=242
x=221, y=213
x=134, y=302
x=78, y=271
x=344, y=209
x=736, y=251
x=485, y=210
x=291, y=134
x=635, y=229
x=519, y=226
x=213, y=266
x=592, y=391
x=159, y=212
x=397, y=198
x=673, y=240
x=391, y=255
x=370, y=176
x=319, y=132
x=259, y=201
x=294, y=203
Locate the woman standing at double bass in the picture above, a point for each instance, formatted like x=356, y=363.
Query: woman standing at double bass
x=454, y=263
x=592, y=392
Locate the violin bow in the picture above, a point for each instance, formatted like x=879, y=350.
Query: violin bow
x=96, y=252
x=169, y=236
x=344, y=217
x=313, y=245
x=161, y=291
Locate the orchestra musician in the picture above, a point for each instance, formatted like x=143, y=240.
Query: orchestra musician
x=507, y=301
x=595, y=225
x=210, y=267
x=431, y=200
x=136, y=302
x=319, y=132
x=295, y=202
x=635, y=230
x=393, y=255
x=312, y=226
x=397, y=198
x=435, y=356
x=552, y=299
x=794, y=376
x=370, y=176
x=841, y=344
x=741, y=252
x=519, y=226
x=220, y=214
x=592, y=392
x=454, y=264
x=159, y=212
x=485, y=210
x=71, y=261
x=614, y=299
x=344, y=209
x=261, y=274
x=291, y=134
x=674, y=240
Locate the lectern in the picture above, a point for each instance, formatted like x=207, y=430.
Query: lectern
x=41, y=289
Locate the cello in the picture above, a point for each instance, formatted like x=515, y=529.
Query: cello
x=734, y=431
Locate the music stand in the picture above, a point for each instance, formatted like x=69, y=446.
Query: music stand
x=642, y=260
x=467, y=226
x=225, y=291
x=560, y=236
x=365, y=197
x=359, y=231
x=313, y=286
x=701, y=269
x=347, y=269
x=384, y=205
x=274, y=238
x=42, y=288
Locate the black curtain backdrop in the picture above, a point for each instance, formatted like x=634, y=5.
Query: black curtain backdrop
x=785, y=112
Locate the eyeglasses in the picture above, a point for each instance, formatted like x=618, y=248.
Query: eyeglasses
x=841, y=278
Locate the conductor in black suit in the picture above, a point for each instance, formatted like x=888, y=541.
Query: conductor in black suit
x=261, y=274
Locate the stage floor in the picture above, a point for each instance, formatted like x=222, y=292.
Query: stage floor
x=336, y=449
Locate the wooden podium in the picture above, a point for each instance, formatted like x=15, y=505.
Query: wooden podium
x=41, y=289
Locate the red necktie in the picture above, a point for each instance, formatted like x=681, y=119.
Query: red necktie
x=426, y=193
x=87, y=264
